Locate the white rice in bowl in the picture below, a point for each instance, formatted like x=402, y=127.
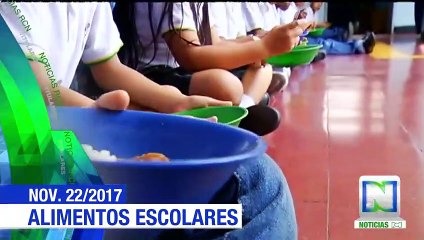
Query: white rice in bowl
x=103, y=155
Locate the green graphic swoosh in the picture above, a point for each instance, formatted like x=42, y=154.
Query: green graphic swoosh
x=36, y=153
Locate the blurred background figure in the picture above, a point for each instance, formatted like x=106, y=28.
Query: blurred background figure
x=419, y=12
x=341, y=14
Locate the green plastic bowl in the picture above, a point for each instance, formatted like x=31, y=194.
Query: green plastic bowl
x=317, y=32
x=230, y=115
x=300, y=55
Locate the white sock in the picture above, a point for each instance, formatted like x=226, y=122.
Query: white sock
x=246, y=101
x=283, y=74
x=287, y=71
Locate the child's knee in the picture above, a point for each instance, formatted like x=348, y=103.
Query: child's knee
x=229, y=85
x=267, y=71
x=219, y=84
x=173, y=89
x=265, y=194
x=267, y=68
x=262, y=73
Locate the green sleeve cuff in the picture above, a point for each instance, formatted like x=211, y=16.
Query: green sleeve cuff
x=106, y=58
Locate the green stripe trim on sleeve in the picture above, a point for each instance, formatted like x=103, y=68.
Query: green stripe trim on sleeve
x=106, y=58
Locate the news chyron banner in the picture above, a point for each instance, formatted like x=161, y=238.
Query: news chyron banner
x=55, y=192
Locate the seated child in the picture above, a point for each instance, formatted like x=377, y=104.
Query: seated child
x=181, y=48
x=261, y=17
x=335, y=47
x=78, y=41
x=286, y=11
x=227, y=15
x=336, y=33
x=289, y=11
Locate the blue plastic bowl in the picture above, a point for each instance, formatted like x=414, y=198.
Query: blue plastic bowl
x=203, y=155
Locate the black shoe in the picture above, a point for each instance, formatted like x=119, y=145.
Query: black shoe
x=278, y=82
x=321, y=55
x=265, y=100
x=261, y=120
x=369, y=42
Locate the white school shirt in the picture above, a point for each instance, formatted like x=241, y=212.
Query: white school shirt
x=182, y=19
x=228, y=17
x=66, y=32
x=316, y=17
x=270, y=15
x=252, y=16
x=287, y=16
x=260, y=15
x=310, y=17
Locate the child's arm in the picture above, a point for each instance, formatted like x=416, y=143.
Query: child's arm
x=167, y=99
x=103, y=43
x=112, y=75
x=230, y=56
x=258, y=32
x=116, y=100
x=323, y=25
x=316, y=6
x=253, y=18
x=223, y=40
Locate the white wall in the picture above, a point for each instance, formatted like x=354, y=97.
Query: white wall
x=322, y=13
x=403, y=14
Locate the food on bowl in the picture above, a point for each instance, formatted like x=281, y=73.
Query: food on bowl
x=98, y=155
x=153, y=157
x=303, y=42
x=105, y=155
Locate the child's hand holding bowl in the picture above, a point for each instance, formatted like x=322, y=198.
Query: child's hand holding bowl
x=287, y=35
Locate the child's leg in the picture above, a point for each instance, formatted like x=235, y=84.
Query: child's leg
x=280, y=79
x=330, y=33
x=261, y=119
x=256, y=81
x=333, y=47
x=216, y=83
x=335, y=33
x=136, y=107
x=268, y=211
x=321, y=55
x=223, y=85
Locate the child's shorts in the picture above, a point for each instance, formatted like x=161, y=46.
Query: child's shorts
x=177, y=77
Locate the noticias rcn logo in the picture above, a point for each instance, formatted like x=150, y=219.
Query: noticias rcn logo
x=379, y=203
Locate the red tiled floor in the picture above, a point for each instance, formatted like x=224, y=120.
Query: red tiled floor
x=347, y=117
